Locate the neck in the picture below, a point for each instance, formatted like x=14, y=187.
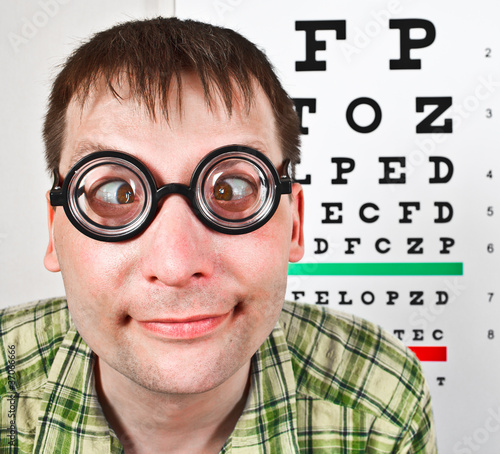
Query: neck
x=148, y=421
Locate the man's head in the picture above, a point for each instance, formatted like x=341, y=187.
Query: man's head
x=181, y=307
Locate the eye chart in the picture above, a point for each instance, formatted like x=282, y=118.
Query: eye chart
x=400, y=117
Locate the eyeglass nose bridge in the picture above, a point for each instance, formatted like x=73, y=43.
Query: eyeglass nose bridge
x=183, y=190
x=174, y=188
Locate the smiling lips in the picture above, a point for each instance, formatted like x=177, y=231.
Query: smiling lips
x=190, y=328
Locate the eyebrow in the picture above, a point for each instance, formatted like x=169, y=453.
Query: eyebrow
x=86, y=147
x=266, y=150
x=256, y=145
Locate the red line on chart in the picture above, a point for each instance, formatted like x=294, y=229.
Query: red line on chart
x=430, y=353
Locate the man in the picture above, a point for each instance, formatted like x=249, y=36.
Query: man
x=172, y=219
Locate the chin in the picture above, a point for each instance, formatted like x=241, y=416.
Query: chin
x=193, y=377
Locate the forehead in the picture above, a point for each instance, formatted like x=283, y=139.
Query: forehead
x=190, y=125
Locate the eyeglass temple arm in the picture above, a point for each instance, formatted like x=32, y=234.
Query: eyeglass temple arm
x=285, y=179
x=56, y=193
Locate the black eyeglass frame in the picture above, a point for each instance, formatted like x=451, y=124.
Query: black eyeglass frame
x=59, y=195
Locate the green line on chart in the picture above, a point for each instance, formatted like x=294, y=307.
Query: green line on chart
x=376, y=269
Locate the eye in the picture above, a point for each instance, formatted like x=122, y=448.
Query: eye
x=117, y=192
x=109, y=195
x=232, y=189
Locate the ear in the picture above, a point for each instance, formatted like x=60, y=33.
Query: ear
x=297, y=243
x=51, y=262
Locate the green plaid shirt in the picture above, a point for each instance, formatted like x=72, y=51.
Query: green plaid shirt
x=322, y=382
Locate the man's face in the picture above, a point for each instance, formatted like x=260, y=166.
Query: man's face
x=179, y=308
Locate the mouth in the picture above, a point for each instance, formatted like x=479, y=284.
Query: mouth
x=187, y=328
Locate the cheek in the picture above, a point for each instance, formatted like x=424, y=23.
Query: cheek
x=272, y=243
x=90, y=269
x=260, y=259
x=91, y=275
x=259, y=254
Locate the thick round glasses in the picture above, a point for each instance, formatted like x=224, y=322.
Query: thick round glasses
x=112, y=196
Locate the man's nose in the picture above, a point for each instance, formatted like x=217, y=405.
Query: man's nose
x=177, y=246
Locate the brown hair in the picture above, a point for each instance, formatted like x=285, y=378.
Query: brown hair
x=148, y=55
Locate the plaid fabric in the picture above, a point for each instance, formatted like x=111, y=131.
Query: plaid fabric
x=322, y=382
